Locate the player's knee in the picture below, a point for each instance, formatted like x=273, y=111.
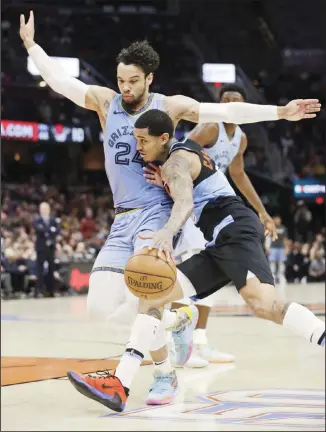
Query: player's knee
x=106, y=291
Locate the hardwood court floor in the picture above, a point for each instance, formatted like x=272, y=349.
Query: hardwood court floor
x=276, y=383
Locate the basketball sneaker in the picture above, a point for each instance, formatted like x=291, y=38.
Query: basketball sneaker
x=213, y=355
x=195, y=361
x=183, y=331
x=164, y=388
x=103, y=388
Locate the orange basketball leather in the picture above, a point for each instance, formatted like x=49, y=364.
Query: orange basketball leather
x=148, y=276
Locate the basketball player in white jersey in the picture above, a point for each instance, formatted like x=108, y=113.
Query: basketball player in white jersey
x=139, y=207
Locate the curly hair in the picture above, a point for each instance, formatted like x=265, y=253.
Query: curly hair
x=141, y=54
x=233, y=88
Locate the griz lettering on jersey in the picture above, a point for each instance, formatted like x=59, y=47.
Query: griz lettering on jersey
x=122, y=131
x=150, y=285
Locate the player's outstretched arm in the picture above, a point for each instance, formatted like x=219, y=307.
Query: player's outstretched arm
x=86, y=96
x=182, y=107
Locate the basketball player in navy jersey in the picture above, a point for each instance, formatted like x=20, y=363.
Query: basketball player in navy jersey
x=138, y=205
x=226, y=144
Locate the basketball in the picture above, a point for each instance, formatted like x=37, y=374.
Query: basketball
x=148, y=276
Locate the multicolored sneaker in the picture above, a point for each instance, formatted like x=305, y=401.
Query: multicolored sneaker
x=103, y=388
x=183, y=331
x=164, y=388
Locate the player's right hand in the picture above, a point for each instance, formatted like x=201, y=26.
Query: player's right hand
x=27, y=30
x=153, y=175
x=269, y=224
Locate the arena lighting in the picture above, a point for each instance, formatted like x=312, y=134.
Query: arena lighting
x=70, y=64
x=42, y=84
x=218, y=73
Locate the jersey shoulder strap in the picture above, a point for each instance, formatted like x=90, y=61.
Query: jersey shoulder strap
x=207, y=164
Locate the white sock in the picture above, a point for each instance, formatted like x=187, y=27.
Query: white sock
x=163, y=366
x=142, y=334
x=302, y=321
x=169, y=318
x=200, y=337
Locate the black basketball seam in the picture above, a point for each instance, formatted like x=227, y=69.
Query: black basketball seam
x=149, y=274
x=157, y=257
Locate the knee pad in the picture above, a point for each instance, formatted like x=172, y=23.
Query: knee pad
x=160, y=339
x=107, y=291
x=207, y=301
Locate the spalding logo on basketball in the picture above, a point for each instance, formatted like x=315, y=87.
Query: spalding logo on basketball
x=148, y=276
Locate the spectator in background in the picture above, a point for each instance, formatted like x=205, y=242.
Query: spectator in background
x=276, y=251
x=14, y=266
x=316, y=271
x=302, y=221
x=87, y=224
x=295, y=261
x=47, y=229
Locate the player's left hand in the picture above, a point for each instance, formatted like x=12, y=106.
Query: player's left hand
x=163, y=241
x=269, y=224
x=153, y=175
x=299, y=109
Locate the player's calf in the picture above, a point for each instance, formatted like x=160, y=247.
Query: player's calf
x=262, y=300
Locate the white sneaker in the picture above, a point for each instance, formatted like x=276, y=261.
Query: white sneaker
x=213, y=355
x=195, y=360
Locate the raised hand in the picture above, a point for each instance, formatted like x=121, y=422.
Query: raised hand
x=27, y=30
x=299, y=109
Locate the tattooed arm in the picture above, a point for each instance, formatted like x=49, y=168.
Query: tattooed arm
x=176, y=176
x=177, y=173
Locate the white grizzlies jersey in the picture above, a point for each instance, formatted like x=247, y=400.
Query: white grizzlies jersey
x=222, y=153
x=224, y=150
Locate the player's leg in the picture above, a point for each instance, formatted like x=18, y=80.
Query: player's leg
x=107, y=291
x=148, y=333
x=191, y=242
x=243, y=259
x=273, y=262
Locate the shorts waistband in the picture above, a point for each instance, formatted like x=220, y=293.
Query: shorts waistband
x=121, y=210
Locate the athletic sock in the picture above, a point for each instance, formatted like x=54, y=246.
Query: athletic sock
x=302, y=321
x=200, y=337
x=142, y=334
x=163, y=366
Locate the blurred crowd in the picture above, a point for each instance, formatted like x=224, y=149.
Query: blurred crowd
x=84, y=216
x=189, y=39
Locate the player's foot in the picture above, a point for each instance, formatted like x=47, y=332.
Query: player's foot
x=103, y=388
x=182, y=333
x=196, y=360
x=213, y=355
x=164, y=388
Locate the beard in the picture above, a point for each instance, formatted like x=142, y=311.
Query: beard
x=131, y=106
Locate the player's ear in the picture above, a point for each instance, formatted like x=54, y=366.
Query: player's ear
x=165, y=138
x=149, y=78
